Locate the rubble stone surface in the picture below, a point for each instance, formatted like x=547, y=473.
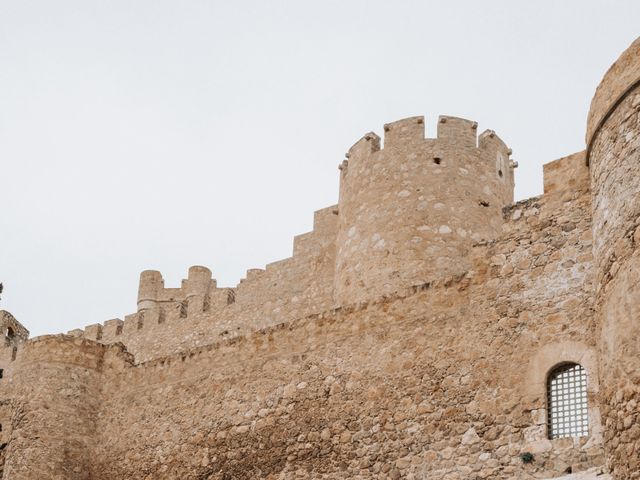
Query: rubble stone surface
x=410, y=335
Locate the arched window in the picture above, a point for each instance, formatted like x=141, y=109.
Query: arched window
x=567, y=401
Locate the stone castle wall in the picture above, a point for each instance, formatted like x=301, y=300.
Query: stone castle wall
x=454, y=203
x=614, y=136
x=402, y=386
x=410, y=335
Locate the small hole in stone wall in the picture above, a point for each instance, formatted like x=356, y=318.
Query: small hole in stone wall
x=0, y=427
x=1, y=372
x=500, y=173
x=569, y=470
x=437, y=160
x=482, y=203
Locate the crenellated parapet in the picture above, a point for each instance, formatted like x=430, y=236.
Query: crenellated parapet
x=410, y=206
x=198, y=312
x=194, y=294
x=409, y=210
x=198, y=295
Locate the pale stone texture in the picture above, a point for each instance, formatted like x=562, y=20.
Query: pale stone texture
x=409, y=212
x=410, y=335
x=615, y=178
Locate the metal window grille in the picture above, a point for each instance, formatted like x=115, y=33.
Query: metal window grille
x=567, y=402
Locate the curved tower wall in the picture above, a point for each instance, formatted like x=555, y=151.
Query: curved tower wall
x=54, y=385
x=409, y=212
x=151, y=283
x=613, y=138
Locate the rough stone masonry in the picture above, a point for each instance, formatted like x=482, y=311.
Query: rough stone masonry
x=425, y=329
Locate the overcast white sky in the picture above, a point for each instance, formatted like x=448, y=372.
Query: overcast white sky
x=163, y=134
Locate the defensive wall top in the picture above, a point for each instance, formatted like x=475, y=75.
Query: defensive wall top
x=407, y=131
x=285, y=289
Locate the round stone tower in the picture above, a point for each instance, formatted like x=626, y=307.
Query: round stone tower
x=149, y=288
x=54, y=387
x=613, y=153
x=409, y=212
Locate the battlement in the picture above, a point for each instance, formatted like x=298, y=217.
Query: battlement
x=198, y=312
x=197, y=295
x=425, y=199
x=451, y=131
x=193, y=292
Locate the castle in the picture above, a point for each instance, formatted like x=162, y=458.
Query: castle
x=427, y=328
